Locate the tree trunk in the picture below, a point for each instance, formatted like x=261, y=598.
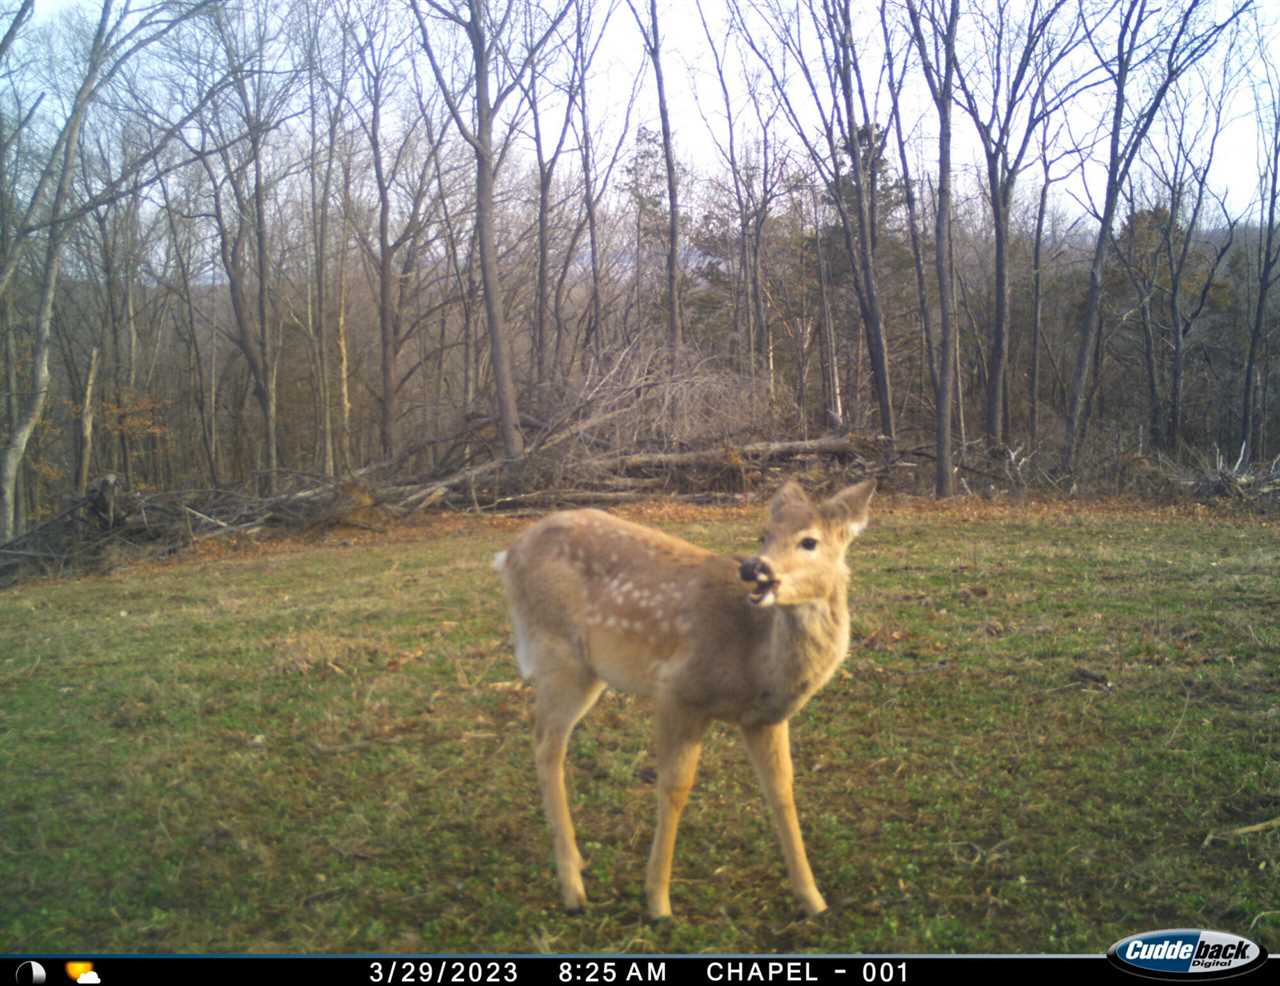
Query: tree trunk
x=85, y=451
x=1037, y=315
x=833, y=406
x=1248, y=418
x=764, y=332
x=540, y=279
x=997, y=359
x=1268, y=260
x=675, y=319
x=595, y=328
x=1086, y=341
x=344, y=383
x=944, y=474
x=1149, y=358
x=1173, y=432
x=499, y=355
x=917, y=252
x=266, y=343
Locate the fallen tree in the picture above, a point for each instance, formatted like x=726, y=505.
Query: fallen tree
x=1257, y=484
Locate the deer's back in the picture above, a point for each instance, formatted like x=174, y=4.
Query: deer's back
x=643, y=609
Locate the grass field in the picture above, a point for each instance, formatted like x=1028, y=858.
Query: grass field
x=325, y=747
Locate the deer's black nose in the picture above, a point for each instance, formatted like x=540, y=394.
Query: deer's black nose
x=755, y=570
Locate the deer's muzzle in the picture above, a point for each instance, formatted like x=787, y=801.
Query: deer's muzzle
x=758, y=572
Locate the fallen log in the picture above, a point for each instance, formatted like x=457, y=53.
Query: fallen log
x=435, y=491
x=608, y=477
x=731, y=455
x=567, y=498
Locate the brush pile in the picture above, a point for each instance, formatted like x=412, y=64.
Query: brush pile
x=111, y=524
x=1256, y=484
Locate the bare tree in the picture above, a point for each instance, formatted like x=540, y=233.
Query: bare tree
x=1151, y=47
x=1048, y=157
x=403, y=162
x=1267, y=252
x=548, y=159
x=179, y=191
x=841, y=97
x=328, y=72
x=235, y=139
x=728, y=148
x=896, y=81
x=653, y=48
x=112, y=249
x=495, y=70
x=1192, y=123
x=757, y=173
x=595, y=181
x=1006, y=93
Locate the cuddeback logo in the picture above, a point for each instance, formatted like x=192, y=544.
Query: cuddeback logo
x=1186, y=953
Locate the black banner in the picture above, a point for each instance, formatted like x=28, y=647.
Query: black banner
x=569, y=970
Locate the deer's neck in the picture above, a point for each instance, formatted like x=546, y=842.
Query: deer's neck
x=806, y=644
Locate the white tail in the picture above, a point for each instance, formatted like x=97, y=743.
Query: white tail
x=599, y=601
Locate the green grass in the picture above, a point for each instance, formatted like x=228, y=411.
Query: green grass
x=325, y=747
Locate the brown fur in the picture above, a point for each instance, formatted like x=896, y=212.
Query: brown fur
x=596, y=601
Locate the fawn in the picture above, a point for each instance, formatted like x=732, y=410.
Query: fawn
x=596, y=601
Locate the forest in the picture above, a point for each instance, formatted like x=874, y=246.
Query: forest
x=246, y=244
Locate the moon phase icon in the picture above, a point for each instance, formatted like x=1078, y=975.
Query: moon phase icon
x=30, y=974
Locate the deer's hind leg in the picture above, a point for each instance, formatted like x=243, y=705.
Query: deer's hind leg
x=565, y=693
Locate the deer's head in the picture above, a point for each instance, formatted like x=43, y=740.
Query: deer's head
x=801, y=557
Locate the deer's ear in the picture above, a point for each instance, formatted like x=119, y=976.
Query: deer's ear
x=850, y=508
x=792, y=494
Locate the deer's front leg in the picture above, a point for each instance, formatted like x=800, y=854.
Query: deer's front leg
x=678, y=744
x=769, y=747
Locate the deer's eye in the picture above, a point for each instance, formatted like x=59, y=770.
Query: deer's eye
x=809, y=544
x=763, y=538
